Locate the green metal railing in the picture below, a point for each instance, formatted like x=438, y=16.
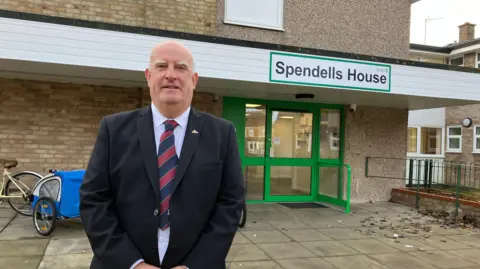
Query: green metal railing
x=349, y=183
x=458, y=180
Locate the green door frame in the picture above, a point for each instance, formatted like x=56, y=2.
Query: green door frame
x=234, y=111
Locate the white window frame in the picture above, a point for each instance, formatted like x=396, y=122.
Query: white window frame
x=450, y=150
x=454, y=58
x=475, y=136
x=478, y=59
x=419, y=141
x=279, y=27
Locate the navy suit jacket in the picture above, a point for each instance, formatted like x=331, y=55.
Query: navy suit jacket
x=120, y=193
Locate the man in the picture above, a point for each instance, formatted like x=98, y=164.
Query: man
x=163, y=187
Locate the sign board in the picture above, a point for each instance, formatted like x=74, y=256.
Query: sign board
x=329, y=72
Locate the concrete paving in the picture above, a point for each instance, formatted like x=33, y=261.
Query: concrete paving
x=375, y=236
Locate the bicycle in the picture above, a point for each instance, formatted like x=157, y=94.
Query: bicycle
x=243, y=217
x=11, y=181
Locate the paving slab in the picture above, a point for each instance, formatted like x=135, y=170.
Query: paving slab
x=266, y=236
x=31, y=247
x=7, y=213
x=329, y=248
x=369, y=246
x=286, y=251
x=472, y=240
x=405, y=244
x=288, y=224
x=68, y=246
x=343, y=233
x=309, y=263
x=355, y=262
x=277, y=237
x=20, y=262
x=306, y=235
x=467, y=254
x=256, y=226
x=443, y=259
x=240, y=239
x=246, y=252
x=401, y=261
x=66, y=261
x=254, y=265
x=442, y=243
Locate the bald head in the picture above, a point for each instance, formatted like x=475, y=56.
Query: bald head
x=172, y=47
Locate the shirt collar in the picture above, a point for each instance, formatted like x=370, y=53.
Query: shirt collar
x=159, y=119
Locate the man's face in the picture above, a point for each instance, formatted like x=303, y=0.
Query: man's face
x=170, y=75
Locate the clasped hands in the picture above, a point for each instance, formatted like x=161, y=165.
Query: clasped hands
x=144, y=265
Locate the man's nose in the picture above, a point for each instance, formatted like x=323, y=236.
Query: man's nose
x=170, y=73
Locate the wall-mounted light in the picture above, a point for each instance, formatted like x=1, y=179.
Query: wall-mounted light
x=467, y=122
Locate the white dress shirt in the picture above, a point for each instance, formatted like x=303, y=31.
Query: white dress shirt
x=179, y=134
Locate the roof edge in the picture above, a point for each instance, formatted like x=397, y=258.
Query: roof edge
x=223, y=40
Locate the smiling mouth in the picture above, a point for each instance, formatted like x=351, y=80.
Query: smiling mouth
x=170, y=87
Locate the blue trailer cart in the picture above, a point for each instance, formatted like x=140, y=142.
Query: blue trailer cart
x=56, y=196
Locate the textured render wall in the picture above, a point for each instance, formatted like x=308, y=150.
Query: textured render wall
x=54, y=125
x=348, y=26
x=195, y=16
x=375, y=132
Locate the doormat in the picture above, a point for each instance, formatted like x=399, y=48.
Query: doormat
x=303, y=205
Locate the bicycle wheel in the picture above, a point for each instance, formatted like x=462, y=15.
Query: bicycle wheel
x=22, y=205
x=243, y=219
x=45, y=216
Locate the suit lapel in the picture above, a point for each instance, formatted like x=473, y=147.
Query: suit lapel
x=146, y=136
x=192, y=135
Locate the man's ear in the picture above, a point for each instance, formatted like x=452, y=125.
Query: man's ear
x=147, y=74
x=195, y=79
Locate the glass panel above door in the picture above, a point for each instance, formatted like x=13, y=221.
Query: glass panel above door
x=291, y=135
x=255, y=119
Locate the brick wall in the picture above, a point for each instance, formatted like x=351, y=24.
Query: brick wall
x=470, y=59
x=54, y=125
x=196, y=16
x=436, y=203
x=454, y=116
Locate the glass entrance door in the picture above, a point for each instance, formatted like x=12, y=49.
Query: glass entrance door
x=290, y=155
x=290, y=151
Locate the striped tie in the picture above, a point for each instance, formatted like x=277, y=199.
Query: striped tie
x=167, y=166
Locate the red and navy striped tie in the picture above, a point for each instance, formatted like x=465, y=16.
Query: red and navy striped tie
x=167, y=167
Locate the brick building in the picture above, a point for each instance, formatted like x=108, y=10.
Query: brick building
x=444, y=127
x=66, y=64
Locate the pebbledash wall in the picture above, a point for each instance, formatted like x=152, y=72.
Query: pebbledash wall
x=58, y=130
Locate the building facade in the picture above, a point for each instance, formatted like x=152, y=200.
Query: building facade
x=441, y=133
x=312, y=86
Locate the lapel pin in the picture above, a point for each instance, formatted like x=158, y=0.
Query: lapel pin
x=194, y=132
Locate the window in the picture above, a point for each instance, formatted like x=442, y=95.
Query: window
x=478, y=60
x=330, y=134
x=412, y=140
x=454, y=138
x=424, y=140
x=457, y=61
x=266, y=14
x=476, y=139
